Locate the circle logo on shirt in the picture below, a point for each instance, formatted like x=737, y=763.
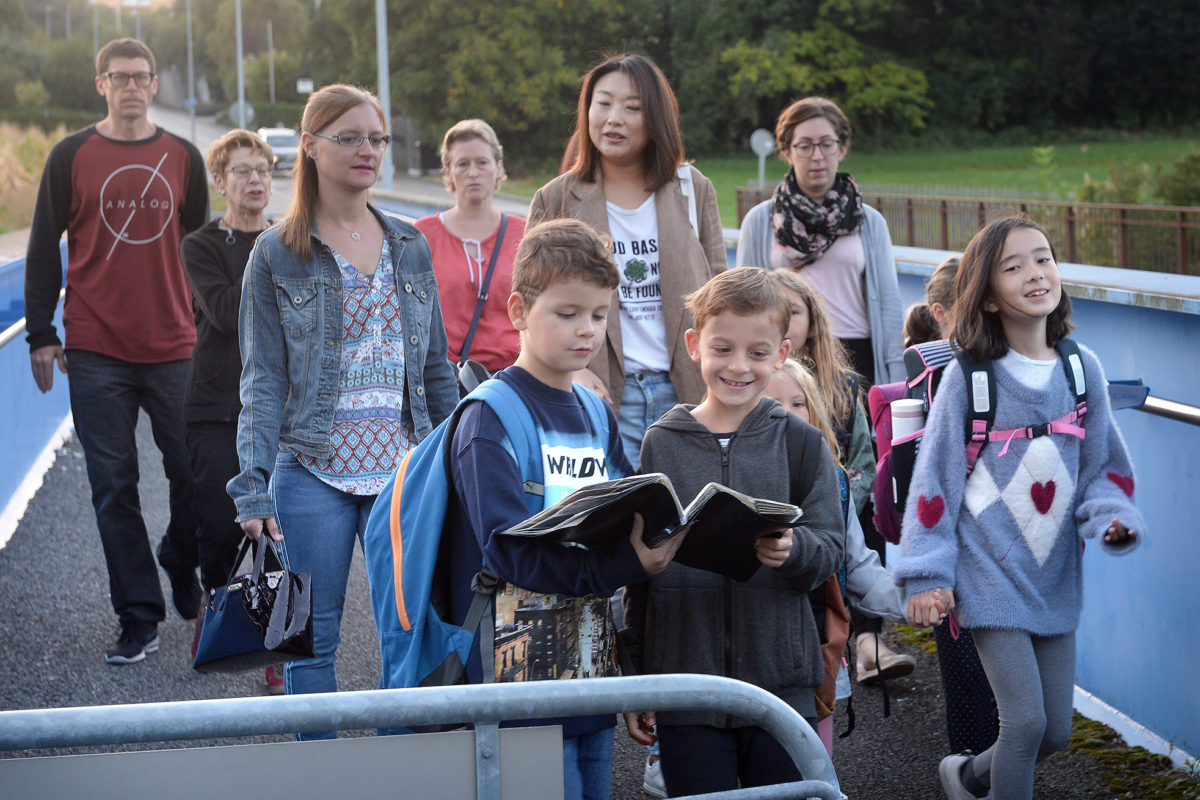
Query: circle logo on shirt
x=136, y=204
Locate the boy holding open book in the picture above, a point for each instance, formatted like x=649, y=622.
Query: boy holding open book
x=552, y=617
x=761, y=631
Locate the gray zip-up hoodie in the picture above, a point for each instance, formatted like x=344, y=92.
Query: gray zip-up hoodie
x=761, y=631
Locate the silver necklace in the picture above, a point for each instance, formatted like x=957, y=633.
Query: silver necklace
x=228, y=228
x=353, y=234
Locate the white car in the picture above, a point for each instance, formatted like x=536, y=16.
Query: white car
x=285, y=142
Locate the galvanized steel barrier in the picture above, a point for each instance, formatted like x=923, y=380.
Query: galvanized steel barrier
x=485, y=705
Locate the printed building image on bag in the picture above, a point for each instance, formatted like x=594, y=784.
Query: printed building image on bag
x=548, y=637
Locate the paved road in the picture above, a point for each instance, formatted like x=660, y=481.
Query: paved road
x=56, y=621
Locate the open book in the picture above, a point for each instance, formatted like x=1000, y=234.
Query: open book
x=723, y=523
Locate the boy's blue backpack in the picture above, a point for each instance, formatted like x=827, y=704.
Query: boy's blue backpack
x=419, y=643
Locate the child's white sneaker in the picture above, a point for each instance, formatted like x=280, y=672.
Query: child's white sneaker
x=652, y=779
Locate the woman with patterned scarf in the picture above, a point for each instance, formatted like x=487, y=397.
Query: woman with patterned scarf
x=818, y=225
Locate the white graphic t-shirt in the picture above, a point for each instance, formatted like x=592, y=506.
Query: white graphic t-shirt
x=552, y=636
x=635, y=246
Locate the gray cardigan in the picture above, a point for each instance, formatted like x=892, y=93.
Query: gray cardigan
x=761, y=631
x=885, y=316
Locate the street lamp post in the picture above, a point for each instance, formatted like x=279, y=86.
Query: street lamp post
x=385, y=89
x=48, y=10
x=191, y=100
x=271, y=60
x=241, y=77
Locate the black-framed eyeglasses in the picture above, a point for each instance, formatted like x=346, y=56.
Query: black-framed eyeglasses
x=356, y=139
x=242, y=171
x=121, y=79
x=805, y=148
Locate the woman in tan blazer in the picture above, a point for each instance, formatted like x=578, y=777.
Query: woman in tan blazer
x=629, y=181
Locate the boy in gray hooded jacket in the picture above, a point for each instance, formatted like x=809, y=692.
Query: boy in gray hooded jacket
x=761, y=631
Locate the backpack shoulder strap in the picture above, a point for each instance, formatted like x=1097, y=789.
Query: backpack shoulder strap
x=1072, y=363
x=596, y=410
x=519, y=425
x=980, y=381
x=922, y=364
x=689, y=191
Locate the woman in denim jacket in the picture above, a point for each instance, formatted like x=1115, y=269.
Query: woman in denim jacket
x=344, y=363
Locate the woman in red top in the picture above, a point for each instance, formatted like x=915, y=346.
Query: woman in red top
x=463, y=239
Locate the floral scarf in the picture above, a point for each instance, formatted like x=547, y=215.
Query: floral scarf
x=804, y=229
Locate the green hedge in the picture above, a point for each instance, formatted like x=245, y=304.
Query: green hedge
x=49, y=119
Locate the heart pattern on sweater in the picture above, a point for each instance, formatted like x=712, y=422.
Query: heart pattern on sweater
x=1043, y=495
x=1037, y=495
x=1124, y=482
x=929, y=510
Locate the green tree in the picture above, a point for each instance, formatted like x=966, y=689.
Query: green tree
x=258, y=78
x=290, y=25
x=516, y=65
x=877, y=94
x=68, y=74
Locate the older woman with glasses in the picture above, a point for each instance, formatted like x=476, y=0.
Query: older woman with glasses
x=818, y=226
x=214, y=258
x=345, y=364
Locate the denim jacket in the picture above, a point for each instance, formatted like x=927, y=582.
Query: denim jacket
x=290, y=329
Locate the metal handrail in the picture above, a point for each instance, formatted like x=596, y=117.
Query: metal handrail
x=387, y=708
x=1181, y=412
x=12, y=332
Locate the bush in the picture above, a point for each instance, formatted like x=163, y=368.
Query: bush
x=1181, y=187
x=287, y=114
x=32, y=96
x=48, y=120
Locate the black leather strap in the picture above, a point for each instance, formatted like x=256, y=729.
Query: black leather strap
x=465, y=353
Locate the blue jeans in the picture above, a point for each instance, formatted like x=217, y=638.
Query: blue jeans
x=320, y=525
x=647, y=396
x=587, y=765
x=106, y=394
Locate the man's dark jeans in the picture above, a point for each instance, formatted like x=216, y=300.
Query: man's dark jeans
x=106, y=394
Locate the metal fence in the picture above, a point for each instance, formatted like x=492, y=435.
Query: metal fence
x=1151, y=238
x=485, y=705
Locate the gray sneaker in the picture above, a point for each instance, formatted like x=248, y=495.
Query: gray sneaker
x=135, y=641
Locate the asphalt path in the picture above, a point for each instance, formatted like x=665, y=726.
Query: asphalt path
x=56, y=622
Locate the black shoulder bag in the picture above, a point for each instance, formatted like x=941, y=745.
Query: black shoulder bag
x=472, y=373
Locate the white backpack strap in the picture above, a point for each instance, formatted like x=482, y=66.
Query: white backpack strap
x=689, y=191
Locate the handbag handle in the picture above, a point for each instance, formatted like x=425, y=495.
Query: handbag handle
x=483, y=292
x=290, y=598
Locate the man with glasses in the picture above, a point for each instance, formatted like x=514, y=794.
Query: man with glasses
x=126, y=192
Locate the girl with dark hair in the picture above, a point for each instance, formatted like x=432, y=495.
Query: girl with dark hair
x=629, y=180
x=1002, y=541
x=344, y=363
x=818, y=224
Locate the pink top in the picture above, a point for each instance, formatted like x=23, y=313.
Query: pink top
x=459, y=267
x=839, y=275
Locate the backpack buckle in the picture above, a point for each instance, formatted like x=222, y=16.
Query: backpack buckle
x=1038, y=430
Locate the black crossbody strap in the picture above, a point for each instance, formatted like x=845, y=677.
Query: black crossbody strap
x=483, y=292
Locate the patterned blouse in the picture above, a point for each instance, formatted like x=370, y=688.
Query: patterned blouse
x=371, y=431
